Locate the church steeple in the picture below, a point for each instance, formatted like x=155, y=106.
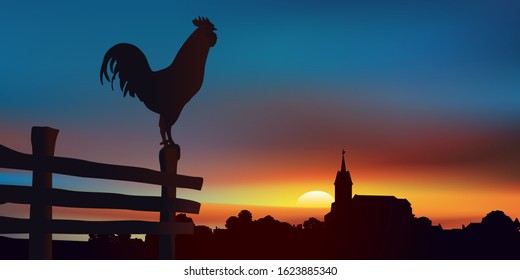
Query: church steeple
x=343, y=168
x=342, y=195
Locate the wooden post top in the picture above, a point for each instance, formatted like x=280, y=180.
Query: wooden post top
x=171, y=152
x=43, y=140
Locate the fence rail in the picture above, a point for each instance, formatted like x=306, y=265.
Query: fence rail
x=66, y=198
x=82, y=168
x=41, y=196
x=16, y=225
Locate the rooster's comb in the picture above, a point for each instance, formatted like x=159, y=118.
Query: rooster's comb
x=201, y=21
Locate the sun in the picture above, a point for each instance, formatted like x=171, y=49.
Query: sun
x=315, y=199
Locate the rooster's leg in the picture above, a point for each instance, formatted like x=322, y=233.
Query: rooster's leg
x=172, y=144
x=162, y=130
x=164, y=141
x=169, y=137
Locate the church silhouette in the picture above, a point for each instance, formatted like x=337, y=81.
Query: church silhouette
x=384, y=227
x=346, y=209
x=368, y=226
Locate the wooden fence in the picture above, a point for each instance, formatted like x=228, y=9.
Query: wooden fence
x=41, y=196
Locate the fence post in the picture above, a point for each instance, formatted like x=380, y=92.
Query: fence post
x=168, y=158
x=43, y=140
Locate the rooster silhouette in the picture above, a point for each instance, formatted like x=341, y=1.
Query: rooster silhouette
x=166, y=91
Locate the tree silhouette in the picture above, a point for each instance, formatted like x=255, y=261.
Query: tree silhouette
x=202, y=231
x=182, y=218
x=241, y=224
x=497, y=221
x=232, y=223
x=245, y=217
x=313, y=224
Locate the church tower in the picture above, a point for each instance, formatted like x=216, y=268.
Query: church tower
x=343, y=184
x=342, y=194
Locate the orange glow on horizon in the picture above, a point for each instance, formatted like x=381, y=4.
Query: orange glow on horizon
x=447, y=198
x=450, y=197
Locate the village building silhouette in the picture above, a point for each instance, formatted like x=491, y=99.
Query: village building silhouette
x=369, y=226
x=347, y=209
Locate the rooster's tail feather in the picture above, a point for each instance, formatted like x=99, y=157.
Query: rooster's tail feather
x=130, y=64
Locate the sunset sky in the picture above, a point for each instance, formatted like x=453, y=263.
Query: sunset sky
x=423, y=95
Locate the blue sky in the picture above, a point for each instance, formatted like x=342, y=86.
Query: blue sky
x=418, y=51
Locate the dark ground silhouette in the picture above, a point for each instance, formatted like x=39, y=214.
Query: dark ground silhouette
x=495, y=237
